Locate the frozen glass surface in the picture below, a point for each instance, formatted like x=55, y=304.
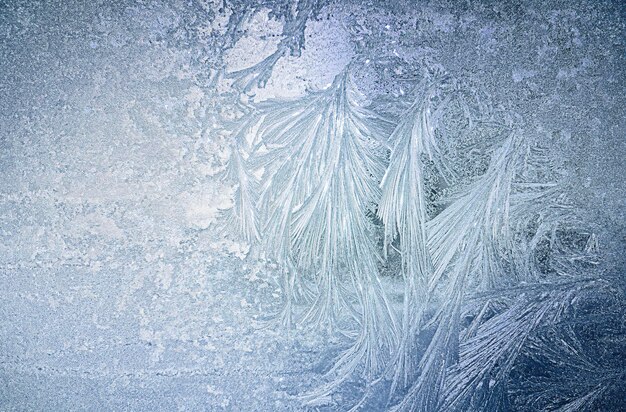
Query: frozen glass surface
x=288, y=205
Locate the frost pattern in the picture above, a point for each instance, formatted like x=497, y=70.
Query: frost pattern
x=322, y=159
x=322, y=163
x=439, y=227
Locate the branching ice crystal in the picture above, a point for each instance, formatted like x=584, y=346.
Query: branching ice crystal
x=324, y=178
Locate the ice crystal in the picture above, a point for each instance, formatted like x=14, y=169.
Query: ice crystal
x=323, y=205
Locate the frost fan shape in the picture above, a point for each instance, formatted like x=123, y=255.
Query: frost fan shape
x=486, y=269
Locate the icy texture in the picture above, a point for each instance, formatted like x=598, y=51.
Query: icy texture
x=321, y=169
x=312, y=205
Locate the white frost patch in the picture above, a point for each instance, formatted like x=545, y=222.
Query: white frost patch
x=327, y=51
x=522, y=74
x=96, y=224
x=194, y=99
x=213, y=391
x=201, y=210
x=164, y=275
x=238, y=249
x=567, y=73
x=260, y=42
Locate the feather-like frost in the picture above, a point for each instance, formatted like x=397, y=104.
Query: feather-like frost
x=322, y=161
x=402, y=209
